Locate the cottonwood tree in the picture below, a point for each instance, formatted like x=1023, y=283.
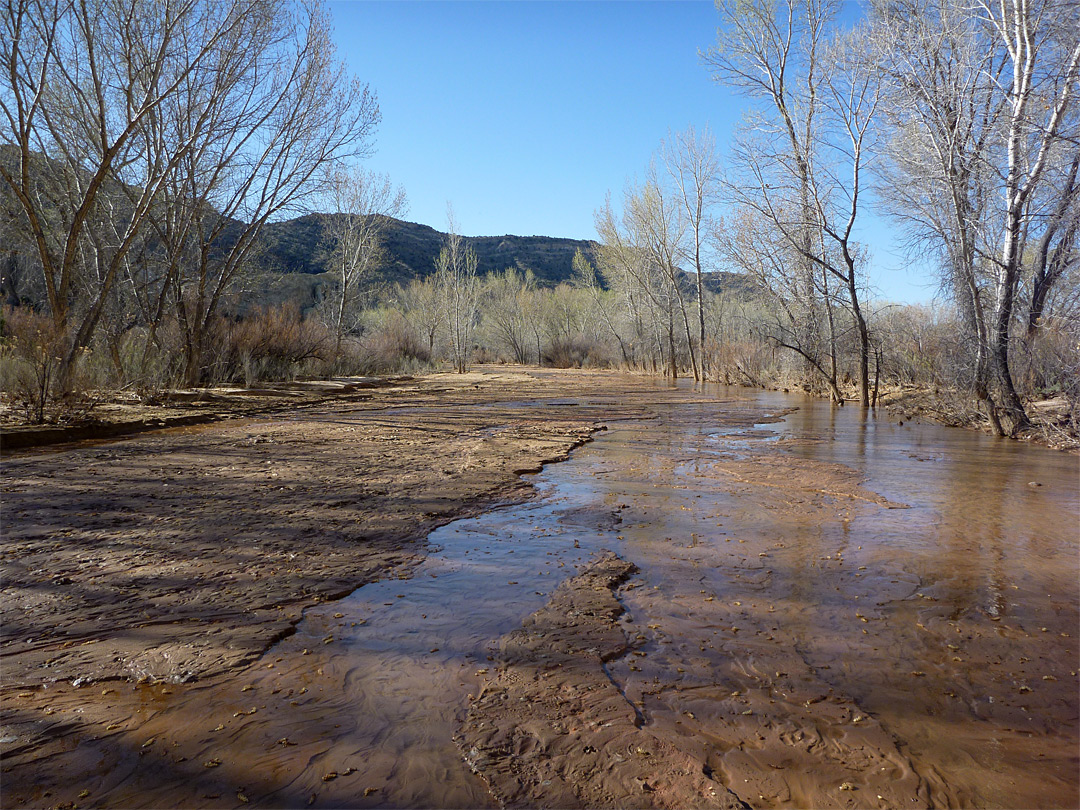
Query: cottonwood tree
x=363, y=203
x=851, y=100
x=505, y=308
x=771, y=53
x=659, y=227
x=78, y=82
x=587, y=278
x=693, y=167
x=459, y=294
x=285, y=117
x=534, y=309
x=195, y=120
x=638, y=257
x=1042, y=43
x=748, y=242
x=422, y=309
x=1056, y=254
x=942, y=113
x=800, y=166
x=565, y=324
x=986, y=110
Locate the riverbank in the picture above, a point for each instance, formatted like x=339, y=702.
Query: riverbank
x=1052, y=420
x=182, y=554
x=185, y=552
x=117, y=415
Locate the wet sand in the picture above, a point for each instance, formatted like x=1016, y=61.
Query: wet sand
x=185, y=553
x=762, y=615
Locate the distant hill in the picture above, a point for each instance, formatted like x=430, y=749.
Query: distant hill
x=292, y=259
x=302, y=245
x=295, y=252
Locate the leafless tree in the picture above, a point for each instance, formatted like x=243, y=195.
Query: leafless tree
x=942, y=113
x=1042, y=43
x=983, y=116
x=362, y=203
x=586, y=278
x=638, y=256
x=659, y=227
x=459, y=294
x=286, y=115
x=504, y=307
x=420, y=301
x=748, y=243
x=799, y=167
x=196, y=120
x=78, y=82
x=1056, y=252
x=693, y=166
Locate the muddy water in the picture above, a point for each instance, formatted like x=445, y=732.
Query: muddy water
x=825, y=605
x=944, y=614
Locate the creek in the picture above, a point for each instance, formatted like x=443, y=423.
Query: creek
x=805, y=572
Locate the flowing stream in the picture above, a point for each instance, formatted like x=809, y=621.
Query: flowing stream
x=826, y=570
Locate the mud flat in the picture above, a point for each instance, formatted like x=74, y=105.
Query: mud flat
x=184, y=553
x=725, y=600
x=551, y=728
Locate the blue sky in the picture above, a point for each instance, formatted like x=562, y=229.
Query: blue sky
x=524, y=115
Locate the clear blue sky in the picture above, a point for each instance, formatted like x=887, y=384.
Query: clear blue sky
x=524, y=114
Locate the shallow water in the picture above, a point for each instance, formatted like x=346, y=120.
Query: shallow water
x=800, y=581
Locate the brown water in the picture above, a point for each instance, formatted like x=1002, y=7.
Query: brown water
x=829, y=595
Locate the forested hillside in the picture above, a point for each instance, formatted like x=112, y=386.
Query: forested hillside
x=304, y=244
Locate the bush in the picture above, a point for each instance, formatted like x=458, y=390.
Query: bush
x=31, y=354
x=1046, y=364
x=272, y=343
x=575, y=352
x=389, y=344
x=32, y=349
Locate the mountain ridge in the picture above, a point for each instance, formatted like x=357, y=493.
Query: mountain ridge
x=303, y=245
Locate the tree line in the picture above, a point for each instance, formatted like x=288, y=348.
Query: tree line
x=958, y=120
x=146, y=145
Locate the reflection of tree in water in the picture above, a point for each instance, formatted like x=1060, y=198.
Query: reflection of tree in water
x=972, y=531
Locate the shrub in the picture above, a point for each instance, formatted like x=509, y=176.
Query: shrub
x=392, y=345
x=31, y=354
x=272, y=343
x=575, y=352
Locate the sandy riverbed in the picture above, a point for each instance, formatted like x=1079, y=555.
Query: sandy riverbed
x=180, y=554
x=740, y=646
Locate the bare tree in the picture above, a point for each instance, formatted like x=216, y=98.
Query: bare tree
x=188, y=124
x=851, y=102
x=770, y=52
x=505, y=307
x=459, y=293
x=78, y=82
x=659, y=228
x=285, y=116
x=420, y=300
x=1043, y=47
x=587, y=278
x=638, y=255
x=983, y=118
x=942, y=112
x=799, y=168
x=363, y=202
x=693, y=166
x=748, y=242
